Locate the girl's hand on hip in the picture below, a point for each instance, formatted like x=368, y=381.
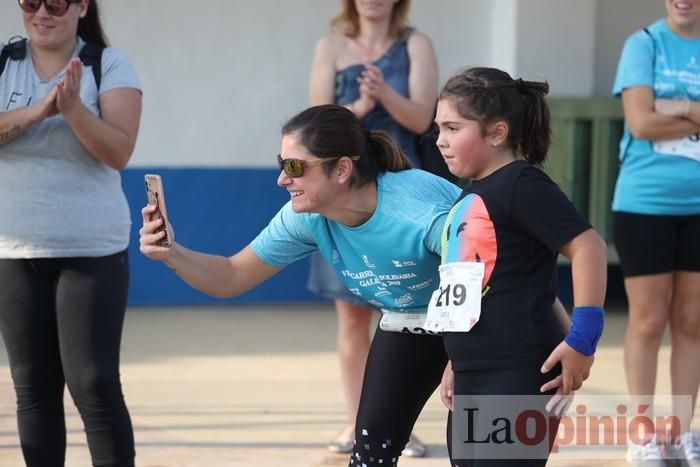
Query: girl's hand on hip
x=575, y=368
x=447, y=387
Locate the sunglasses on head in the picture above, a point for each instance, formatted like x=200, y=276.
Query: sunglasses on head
x=295, y=167
x=53, y=7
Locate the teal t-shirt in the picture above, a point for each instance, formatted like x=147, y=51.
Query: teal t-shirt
x=651, y=182
x=391, y=260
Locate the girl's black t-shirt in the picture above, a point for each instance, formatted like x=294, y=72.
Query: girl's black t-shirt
x=515, y=221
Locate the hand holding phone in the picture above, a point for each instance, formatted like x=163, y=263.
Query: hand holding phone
x=156, y=197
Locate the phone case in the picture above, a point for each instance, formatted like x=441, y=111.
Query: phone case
x=156, y=196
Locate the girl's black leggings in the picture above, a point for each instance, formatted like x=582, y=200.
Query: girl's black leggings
x=61, y=321
x=486, y=390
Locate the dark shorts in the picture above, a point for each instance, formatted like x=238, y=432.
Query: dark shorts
x=650, y=244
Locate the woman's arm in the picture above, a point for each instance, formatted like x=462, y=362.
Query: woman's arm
x=110, y=138
x=416, y=112
x=214, y=275
x=645, y=122
x=217, y=275
x=16, y=122
x=322, y=84
x=679, y=108
x=693, y=112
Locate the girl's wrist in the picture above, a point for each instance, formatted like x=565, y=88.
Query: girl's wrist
x=587, y=324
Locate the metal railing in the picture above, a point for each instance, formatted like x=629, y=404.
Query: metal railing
x=583, y=158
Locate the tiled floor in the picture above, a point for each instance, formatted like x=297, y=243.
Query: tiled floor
x=256, y=386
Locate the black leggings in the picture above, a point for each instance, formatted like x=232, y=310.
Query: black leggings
x=402, y=372
x=525, y=380
x=61, y=320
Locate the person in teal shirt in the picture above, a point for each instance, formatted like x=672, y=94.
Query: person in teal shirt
x=656, y=209
x=377, y=222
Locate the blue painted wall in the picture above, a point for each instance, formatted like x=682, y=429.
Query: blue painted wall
x=216, y=211
x=220, y=211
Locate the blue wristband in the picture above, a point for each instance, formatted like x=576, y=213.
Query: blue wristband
x=586, y=328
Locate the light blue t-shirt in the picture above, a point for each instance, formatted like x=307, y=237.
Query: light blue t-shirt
x=651, y=182
x=391, y=260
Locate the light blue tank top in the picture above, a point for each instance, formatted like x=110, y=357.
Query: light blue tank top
x=395, y=67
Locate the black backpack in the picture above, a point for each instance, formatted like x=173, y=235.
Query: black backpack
x=90, y=55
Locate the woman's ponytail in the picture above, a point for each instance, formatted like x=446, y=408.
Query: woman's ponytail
x=388, y=155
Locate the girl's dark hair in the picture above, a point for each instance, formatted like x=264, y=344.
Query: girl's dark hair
x=489, y=95
x=90, y=28
x=332, y=130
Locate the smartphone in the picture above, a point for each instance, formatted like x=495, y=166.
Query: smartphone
x=156, y=197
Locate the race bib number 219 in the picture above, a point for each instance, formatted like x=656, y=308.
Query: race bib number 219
x=456, y=305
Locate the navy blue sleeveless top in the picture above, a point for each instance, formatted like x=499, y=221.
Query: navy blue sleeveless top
x=395, y=67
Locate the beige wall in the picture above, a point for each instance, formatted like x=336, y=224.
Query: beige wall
x=220, y=77
x=615, y=20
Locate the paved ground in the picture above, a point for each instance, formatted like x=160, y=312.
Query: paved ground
x=254, y=386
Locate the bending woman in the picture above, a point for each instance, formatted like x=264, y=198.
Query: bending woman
x=386, y=74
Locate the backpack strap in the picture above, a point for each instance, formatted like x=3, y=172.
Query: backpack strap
x=90, y=55
x=15, y=49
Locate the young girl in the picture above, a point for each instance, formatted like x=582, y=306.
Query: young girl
x=502, y=237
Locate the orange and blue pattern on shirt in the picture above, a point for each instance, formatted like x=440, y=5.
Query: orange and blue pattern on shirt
x=469, y=235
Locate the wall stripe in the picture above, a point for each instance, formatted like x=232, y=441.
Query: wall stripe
x=217, y=211
x=220, y=211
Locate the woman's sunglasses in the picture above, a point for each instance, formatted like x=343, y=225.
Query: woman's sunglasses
x=53, y=7
x=295, y=167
